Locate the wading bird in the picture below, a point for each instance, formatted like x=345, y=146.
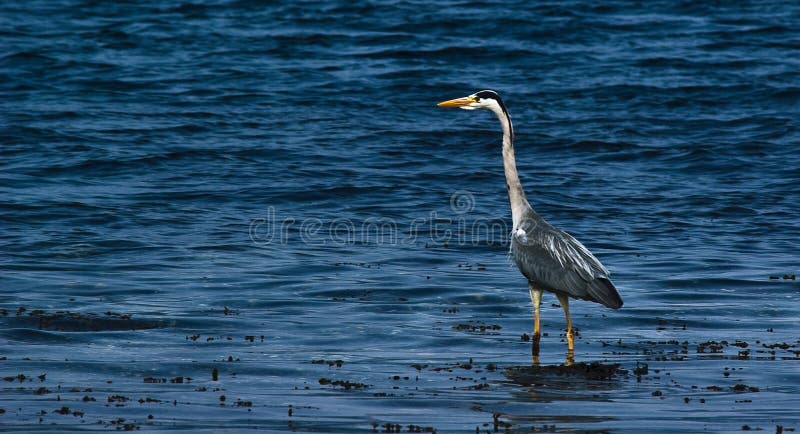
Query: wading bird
x=551, y=259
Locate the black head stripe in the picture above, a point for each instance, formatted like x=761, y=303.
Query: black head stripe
x=489, y=94
x=493, y=95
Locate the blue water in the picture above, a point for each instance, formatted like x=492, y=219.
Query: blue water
x=257, y=190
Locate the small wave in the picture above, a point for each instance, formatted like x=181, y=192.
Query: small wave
x=473, y=52
x=26, y=58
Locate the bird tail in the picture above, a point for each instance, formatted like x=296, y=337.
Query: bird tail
x=603, y=291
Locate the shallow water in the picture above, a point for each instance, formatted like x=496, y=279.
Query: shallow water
x=269, y=193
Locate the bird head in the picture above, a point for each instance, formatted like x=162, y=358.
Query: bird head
x=485, y=99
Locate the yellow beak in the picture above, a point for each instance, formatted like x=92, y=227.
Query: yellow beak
x=458, y=102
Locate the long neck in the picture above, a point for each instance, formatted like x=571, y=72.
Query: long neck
x=519, y=204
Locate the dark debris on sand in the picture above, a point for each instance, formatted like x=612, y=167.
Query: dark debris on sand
x=528, y=375
x=66, y=321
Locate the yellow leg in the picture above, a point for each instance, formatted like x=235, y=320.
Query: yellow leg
x=564, y=300
x=536, y=300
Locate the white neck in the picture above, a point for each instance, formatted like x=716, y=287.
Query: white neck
x=516, y=196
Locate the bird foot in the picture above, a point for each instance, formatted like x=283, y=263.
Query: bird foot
x=570, y=359
x=535, y=344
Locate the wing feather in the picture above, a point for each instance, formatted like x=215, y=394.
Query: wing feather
x=555, y=260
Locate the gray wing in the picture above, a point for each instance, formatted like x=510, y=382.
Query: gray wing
x=556, y=261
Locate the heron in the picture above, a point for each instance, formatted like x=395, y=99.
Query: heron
x=551, y=259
